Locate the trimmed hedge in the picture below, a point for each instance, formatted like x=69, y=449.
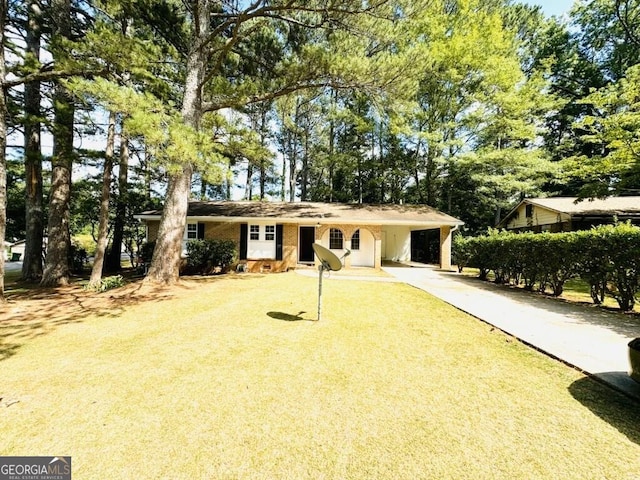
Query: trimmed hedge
x=607, y=257
x=210, y=256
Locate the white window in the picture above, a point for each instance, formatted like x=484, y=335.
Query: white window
x=270, y=233
x=336, y=240
x=355, y=240
x=254, y=232
x=192, y=231
x=261, y=243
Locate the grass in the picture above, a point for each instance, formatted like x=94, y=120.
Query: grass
x=231, y=377
x=574, y=290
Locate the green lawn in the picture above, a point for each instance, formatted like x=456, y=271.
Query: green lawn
x=230, y=377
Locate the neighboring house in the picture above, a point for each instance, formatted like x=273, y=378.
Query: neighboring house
x=563, y=214
x=277, y=236
x=17, y=250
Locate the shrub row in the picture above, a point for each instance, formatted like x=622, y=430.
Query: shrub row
x=210, y=256
x=606, y=257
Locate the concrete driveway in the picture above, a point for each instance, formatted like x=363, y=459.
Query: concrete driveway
x=12, y=266
x=586, y=337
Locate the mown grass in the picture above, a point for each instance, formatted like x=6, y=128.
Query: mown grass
x=575, y=290
x=231, y=377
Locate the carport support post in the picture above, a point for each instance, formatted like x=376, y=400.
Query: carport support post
x=445, y=247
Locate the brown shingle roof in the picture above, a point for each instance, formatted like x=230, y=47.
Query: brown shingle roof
x=571, y=205
x=320, y=212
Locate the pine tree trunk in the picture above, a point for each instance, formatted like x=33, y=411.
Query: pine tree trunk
x=3, y=146
x=103, y=226
x=248, y=189
x=293, y=166
x=263, y=142
x=146, y=169
x=165, y=264
x=32, y=260
x=56, y=270
x=283, y=177
x=114, y=256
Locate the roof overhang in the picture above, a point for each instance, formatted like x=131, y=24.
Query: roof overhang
x=308, y=221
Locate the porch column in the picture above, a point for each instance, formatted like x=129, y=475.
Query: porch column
x=378, y=253
x=445, y=247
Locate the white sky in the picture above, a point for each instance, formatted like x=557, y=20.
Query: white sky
x=552, y=7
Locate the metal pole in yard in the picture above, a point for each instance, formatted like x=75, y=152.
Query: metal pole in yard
x=321, y=270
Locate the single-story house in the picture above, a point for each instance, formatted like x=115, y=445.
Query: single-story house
x=277, y=236
x=17, y=249
x=563, y=214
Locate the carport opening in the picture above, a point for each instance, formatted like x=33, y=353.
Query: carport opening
x=425, y=246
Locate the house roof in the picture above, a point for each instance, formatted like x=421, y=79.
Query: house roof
x=606, y=207
x=300, y=212
x=572, y=205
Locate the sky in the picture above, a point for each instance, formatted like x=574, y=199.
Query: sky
x=552, y=7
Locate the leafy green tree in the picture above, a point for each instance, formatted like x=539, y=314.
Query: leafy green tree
x=215, y=80
x=615, y=167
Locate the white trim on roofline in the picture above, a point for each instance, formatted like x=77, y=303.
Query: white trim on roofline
x=309, y=221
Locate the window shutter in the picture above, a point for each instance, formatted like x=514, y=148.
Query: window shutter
x=279, y=235
x=200, y=231
x=243, y=240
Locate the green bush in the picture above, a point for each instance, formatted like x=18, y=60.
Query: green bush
x=607, y=257
x=623, y=251
x=77, y=258
x=210, y=256
x=107, y=283
x=146, y=252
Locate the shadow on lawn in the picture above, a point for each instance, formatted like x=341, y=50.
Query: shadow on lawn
x=40, y=311
x=626, y=324
x=616, y=409
x=287, y=317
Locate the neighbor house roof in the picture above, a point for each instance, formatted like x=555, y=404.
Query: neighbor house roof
x=598, y=207
x=572, y=205
x=299, y=212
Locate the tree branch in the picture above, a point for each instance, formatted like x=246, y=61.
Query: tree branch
x=48, y=75
x=625, y=21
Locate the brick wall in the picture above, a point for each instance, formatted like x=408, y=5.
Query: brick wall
x=289, y=253
x=231, y=231
x=222, y=231
x=152, y=230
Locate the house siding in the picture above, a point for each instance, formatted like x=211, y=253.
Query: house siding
x=541, y=216
x=152, y=230
x=397, y=243
x=322, y=234
x=289, y=252
x=222, y=231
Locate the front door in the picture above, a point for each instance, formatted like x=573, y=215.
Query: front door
x=305, y=248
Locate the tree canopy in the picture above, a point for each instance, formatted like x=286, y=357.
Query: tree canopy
x=464, y=105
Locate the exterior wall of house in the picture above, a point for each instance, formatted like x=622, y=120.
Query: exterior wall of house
x=540, y=217
x=373, y=257
x=397, y=243
x=289, y=252
x=377, y=243
x=222, y=231
x=152, y=230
